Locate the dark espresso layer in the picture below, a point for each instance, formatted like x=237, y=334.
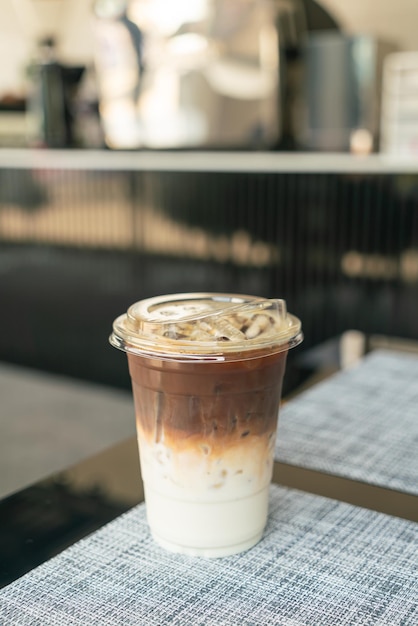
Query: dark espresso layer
x=218, y=402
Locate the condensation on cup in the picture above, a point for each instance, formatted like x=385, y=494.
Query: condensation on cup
x=207, y=372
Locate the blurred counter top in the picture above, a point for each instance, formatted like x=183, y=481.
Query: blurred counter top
x=224, y=161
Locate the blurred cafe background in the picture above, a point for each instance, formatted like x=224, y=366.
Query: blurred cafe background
x=256, y=146
x=209, y=74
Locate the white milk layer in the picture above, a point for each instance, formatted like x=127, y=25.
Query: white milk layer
x=201, y=501
x=209, y=529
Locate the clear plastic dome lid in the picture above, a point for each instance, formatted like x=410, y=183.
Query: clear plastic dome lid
x=206, y=326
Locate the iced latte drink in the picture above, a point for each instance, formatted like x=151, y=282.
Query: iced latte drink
x=207, y=372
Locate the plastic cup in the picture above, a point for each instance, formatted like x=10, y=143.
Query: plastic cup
x=207, y=372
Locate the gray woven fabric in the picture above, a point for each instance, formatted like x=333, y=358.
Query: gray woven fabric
x=321, y=562
x=361, y=423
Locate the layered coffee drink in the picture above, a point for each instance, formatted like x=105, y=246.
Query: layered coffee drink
x=207, y=372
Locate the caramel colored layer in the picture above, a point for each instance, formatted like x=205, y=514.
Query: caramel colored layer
x=194, y=468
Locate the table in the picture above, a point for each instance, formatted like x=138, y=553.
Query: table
x=326, y=556
x=361, y=423
x=320, y=562
x=51, y=422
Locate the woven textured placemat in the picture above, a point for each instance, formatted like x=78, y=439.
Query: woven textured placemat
x=321, y=562
x=361, y=423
